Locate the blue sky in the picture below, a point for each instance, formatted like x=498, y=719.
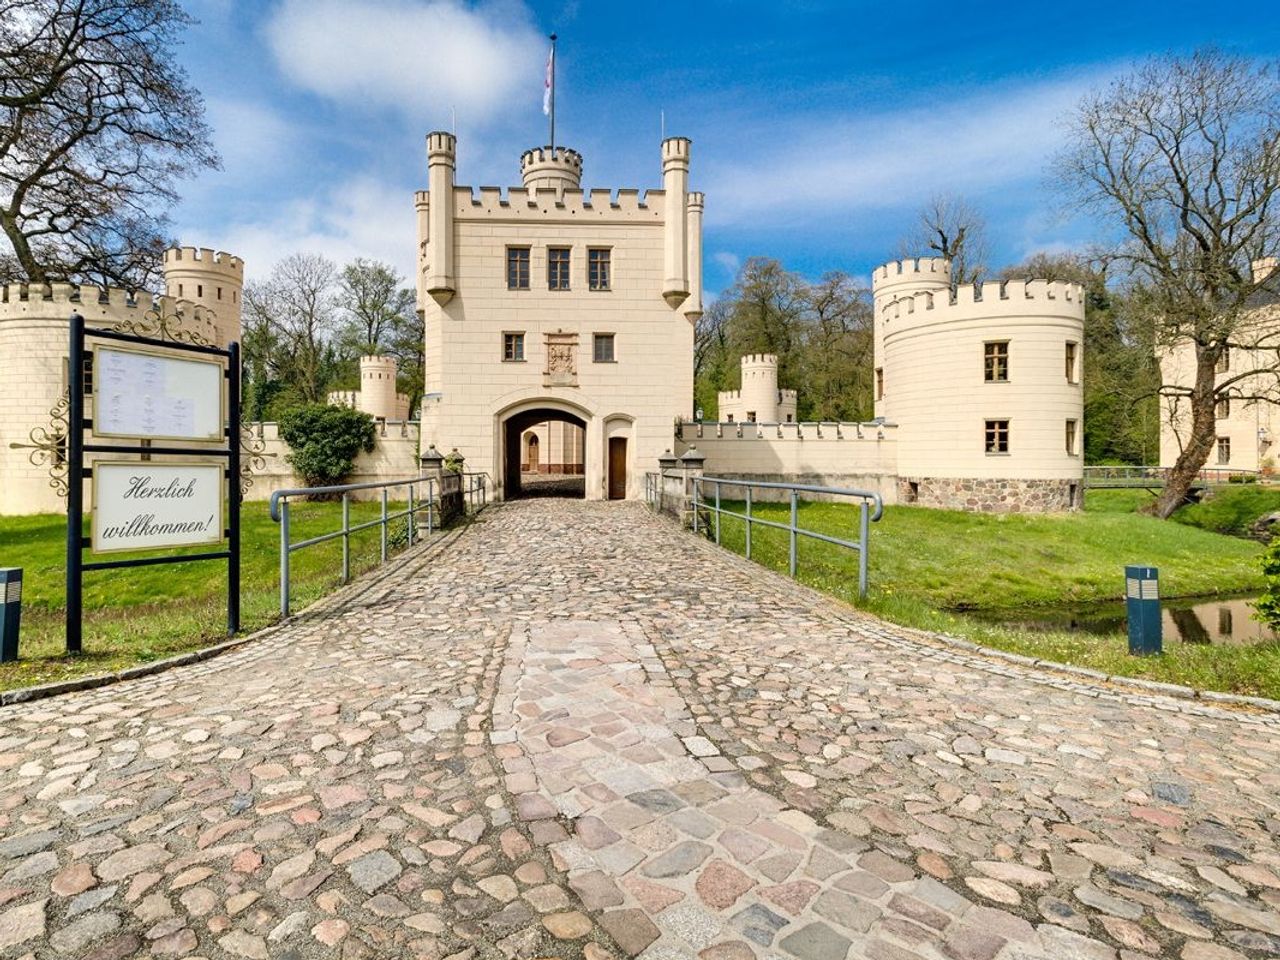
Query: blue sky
x=819, y=128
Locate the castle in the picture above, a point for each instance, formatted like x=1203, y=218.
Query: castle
x=559, y=338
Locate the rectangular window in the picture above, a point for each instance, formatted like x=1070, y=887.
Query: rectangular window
x=598, y=268
x=728, y=418
x=995, y=361
x=751, y=416
x=1224, y=361
x=517, y=268
x=557, y=268
x=1224, y=449
x=879, y=383
x=1071, y=362
x=603, y=348
x=997, y=436
x=1223, y=410
x=513, y=347
x=1071, y=438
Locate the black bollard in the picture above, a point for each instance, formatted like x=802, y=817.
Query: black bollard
x=1142, y=601
x=10, y=612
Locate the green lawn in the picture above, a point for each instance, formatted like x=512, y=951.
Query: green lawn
x=136, y=615
x=928, y=566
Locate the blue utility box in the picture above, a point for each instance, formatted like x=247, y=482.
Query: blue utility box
x=10, y=611
x=1142, y=600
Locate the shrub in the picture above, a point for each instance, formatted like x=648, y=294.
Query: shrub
x=1267, y=606
x=325, y=441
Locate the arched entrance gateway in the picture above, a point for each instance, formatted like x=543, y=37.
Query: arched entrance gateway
x=543, y=453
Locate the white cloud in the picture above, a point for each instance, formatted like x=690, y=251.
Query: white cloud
x=822, y=167
x=360, y=218
x=421, y=57
x=729, y=262
x=249, y=135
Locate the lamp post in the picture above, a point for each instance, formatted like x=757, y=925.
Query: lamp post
x=10, y=618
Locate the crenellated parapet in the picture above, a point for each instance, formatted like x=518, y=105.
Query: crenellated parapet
x=56, y=302
x=1021, y=300
x=553, y=168
x=548, y=204
x=209, y=262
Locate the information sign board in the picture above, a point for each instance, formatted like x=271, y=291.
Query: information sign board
x=144, y=506
x=141, y=393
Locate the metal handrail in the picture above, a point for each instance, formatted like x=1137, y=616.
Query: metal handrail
x=474, y=490
x=870, y=503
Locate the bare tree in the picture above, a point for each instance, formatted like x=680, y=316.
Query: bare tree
x=97, y=122
x=950, y=227
x=1184, y=155
x=293, y=315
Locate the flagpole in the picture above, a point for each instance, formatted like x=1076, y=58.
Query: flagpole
x=553, y=94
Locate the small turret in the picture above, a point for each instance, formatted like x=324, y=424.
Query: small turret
x=693, y=306
x=211, y=280
x=442, y=154
x=675, y=183
x=551, y=168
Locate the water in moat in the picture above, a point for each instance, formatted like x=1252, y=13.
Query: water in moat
x=1227, y=621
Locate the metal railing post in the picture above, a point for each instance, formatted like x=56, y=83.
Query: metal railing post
x=864, y=537
x=794, y=503
x=346, y=538
x=411, y=517
x=431, y=507
x=284, y=558
x=696, y=483
x=748, y=522
x=383, y=527
x=717, y=513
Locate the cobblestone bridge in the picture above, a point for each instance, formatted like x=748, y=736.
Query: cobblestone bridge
x=575, y=731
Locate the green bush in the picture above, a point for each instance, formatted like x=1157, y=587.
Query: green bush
x=1267, y=606
x=325, y=441
x=1242, y=478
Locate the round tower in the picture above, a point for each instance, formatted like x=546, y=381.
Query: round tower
x=214, y=281
x=378, y=387
x=551, y=168
x=900, y=278
x=760, y=387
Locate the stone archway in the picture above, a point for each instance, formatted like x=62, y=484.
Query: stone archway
x=561, y=478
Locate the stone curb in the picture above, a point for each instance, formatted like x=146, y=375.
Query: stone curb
x=1082, y=674
x=92, y=682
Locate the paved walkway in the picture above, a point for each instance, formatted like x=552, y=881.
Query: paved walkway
x=575, y=731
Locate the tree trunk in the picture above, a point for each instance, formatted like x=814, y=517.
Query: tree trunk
x=22, y=249
x=1203, y=436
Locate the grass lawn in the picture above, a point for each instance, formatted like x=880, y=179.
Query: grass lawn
x=136, y=615
x=928, y=566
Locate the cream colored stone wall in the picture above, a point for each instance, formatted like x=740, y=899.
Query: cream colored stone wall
x=471, y=392
x=394, y=457
x=860, y=456
x=1251, y=427
x=33, y=370
x=559, y=448
x=215, y=281
x=377, y=394
x=931, y=350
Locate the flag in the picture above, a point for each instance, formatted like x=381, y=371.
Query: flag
x=549, y=83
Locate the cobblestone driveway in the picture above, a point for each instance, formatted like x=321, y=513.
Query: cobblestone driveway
x=576, y=731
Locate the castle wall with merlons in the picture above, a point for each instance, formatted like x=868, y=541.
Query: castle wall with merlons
x=34, y=345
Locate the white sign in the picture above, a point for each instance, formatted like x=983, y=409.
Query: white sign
x=143, y=506
x=156, y=396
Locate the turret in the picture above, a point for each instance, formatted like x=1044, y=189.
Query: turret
x=900, y=278
x=211, y=280
x=441, y=163
x=675, y=183
x=551, y=168
x=693, y=306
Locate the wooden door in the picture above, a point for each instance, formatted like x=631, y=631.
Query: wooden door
x=617, y=468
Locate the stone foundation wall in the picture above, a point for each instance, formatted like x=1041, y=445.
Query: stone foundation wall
x=992, y=496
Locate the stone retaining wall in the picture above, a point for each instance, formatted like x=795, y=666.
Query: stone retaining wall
x=992, y=496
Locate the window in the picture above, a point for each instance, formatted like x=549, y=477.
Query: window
x=557, y=268
x=603, y=348
x=879, y=383
x=995, y=361
x=1071, y=438
x=1224, y=449
x=1224, y=361
x=997, y=436
x=598, y=269
x=1071, y=361
x=1223, y=410
x=751, y=416
x=728, y=418
x=789, y=418
x=517, y=268
x=513, y=347
x=219, y=293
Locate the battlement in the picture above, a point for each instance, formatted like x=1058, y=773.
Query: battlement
x=442, y=147
x=759, y=360
x=551, y=203
x=559, y=156
x=930, y=267
x=56, y=301
x=1010, y=298
x=696, y=201
x=204, y=260
x=676, y=152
